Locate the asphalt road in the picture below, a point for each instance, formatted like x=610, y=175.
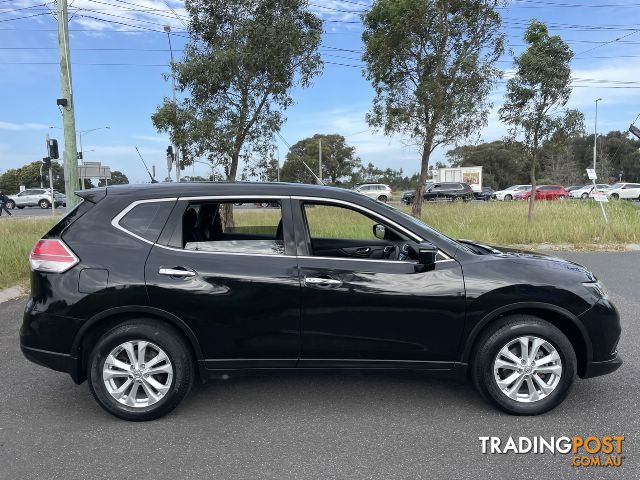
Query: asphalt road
x=314, y=427
x=34, y=212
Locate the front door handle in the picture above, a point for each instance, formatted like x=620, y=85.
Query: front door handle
x=322, y=282
x=176, y=272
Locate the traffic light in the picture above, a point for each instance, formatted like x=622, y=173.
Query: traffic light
x=46, y=162
x=52, y=147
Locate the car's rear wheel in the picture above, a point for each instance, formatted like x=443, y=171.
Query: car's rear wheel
x=11, y=204
x=524, y=365
x=140, y=370
x=44, y=203
x=508, y=197
x=382, y=198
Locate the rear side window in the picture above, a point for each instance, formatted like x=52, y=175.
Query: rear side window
x=253, y=227
x=146, y=220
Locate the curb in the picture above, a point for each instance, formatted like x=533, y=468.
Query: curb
x=11, y=293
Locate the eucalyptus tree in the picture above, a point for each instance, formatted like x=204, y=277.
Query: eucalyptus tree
x=538, y=90
x=239, y=67
x=432, y=66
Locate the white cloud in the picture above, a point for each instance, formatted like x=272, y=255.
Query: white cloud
x=16, y=127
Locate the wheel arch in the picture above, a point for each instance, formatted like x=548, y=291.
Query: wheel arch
x=566, y=321
x=99, y=324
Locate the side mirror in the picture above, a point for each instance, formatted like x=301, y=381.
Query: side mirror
x=380, y=231
x=427, y=253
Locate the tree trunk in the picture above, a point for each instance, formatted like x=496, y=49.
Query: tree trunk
x=227, y=209
x=532, y=197
x=416, y=208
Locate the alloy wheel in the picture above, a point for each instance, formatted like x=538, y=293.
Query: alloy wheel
x=137, y=373
x=527, y=369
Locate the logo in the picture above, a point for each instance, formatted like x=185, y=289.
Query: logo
x=585, y=451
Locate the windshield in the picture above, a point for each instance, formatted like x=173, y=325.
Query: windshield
x=616, y=185
x=432, y=230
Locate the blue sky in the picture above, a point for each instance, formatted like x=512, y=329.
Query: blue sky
x=118, y=77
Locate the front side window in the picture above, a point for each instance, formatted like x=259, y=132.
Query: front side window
x=250, y=227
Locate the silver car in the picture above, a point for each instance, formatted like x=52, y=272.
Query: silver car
x=379, y=191
x=35, y=197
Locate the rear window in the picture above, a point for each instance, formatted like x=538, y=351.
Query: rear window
x=147, y=219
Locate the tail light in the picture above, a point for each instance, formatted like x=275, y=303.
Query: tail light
x=52, y=256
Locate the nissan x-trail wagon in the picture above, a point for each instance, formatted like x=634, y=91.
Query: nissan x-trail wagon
x=141, y=290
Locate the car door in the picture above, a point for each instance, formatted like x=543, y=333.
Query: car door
x=361, y=309
x=234, y=282
x=432, y=192
x=22, y=199
x=630, y=191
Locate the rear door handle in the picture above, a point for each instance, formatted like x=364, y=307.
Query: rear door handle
x=322, y=282
x=176, y=272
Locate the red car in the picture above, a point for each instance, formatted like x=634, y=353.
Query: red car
x=545, y=192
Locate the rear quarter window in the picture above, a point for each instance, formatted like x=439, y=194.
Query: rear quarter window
x=146, y=220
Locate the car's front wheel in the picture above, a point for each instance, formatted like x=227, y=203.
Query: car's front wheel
x=44, y=203
x=615, y=196
x=524, y=365
x=508, y=197
x=140, y=370
x=584, y=196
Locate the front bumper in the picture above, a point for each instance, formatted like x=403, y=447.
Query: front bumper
x=595, y=369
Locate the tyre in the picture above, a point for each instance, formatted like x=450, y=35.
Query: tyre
x=44, y=203
x=11, y=204
x=523, y=365
x=140, y=370
x=20, y=207
x=508, y=197
x=584, y=196
x=562, y=197
x=615, y=196
x=382, y=198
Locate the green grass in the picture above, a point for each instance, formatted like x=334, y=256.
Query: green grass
x=578, y=223
x=17, y=237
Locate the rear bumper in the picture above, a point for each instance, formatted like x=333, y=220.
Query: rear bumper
x=56, y=361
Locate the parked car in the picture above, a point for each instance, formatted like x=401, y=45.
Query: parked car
x=379, y=191
x=141, y=290
x=509, y=193
x=586, y=191
x=485, y=194
x=627, y=191
x=449, y=191
x=573, y=187
x=545, y=192
x=35, y=197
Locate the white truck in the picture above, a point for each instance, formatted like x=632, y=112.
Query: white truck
x=472, y=176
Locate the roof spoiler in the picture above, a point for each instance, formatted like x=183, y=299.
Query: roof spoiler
x=93, y=195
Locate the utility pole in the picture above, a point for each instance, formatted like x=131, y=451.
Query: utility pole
x=176, y=154
x=70, y=156
x=320, y=160
x=278, y=151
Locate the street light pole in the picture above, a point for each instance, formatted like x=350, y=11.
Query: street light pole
x=176, y=153
x=595, y=134
x=595, y=142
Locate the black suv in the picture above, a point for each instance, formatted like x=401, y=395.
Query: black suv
x=142, y=289
x=451, y=191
